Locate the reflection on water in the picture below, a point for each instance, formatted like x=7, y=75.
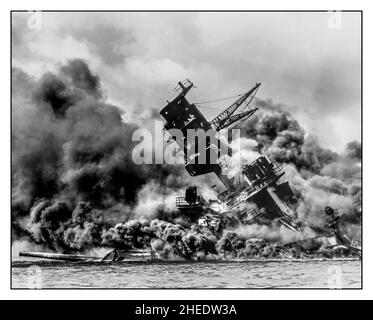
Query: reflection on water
x=307, y=274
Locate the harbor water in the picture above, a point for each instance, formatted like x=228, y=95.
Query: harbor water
x=198, y=275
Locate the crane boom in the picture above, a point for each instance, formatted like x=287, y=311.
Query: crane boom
x=219, y=121
x=237, y=117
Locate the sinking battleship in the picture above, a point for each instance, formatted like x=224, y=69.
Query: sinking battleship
x=259, y=197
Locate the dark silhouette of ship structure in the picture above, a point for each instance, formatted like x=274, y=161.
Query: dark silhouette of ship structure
x=261, y=198
x=334, y=237
x=258, y=196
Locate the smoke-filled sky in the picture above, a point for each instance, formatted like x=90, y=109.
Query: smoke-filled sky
x=83, y=83
x=300, y=62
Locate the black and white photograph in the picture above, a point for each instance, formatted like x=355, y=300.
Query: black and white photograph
x=186, y=149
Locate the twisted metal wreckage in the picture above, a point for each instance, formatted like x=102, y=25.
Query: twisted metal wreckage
x=260, y=197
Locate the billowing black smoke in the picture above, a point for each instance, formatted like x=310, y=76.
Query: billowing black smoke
x=75, y=185
x=318, y=176
x=72, y=168
x=68, y=143
x=283, y=139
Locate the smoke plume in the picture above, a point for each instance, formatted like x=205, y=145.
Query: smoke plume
x=75, y=186
x=318, y=176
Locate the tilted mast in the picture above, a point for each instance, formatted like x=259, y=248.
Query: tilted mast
x=226, y=118
x=182, y=115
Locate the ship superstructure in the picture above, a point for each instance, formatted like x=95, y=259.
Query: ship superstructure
x=260, y=196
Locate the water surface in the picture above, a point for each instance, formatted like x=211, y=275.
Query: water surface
x=203, y=275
